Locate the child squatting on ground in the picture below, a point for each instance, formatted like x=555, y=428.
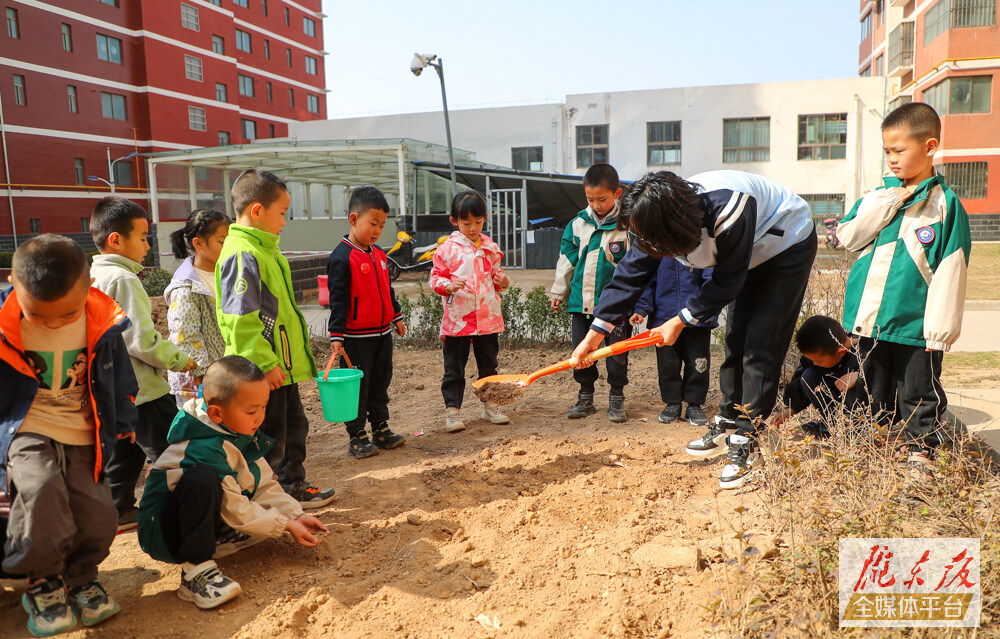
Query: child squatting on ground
x=674, y=285
x=827, y=377
x=259, y=320
x=119, y=228
x=906, y=292
x=58, y=426
x=212, y=492
x=760, y=240
x=592, y=246
x=363, y=314
x=468, y=273
x=190, y=297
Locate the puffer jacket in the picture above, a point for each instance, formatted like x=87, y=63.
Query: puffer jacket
x=194, y=326
x=474, y=310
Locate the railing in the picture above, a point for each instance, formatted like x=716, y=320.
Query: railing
x=973, y=13
x=900, y=47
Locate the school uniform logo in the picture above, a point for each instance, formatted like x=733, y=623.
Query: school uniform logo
x=365, y=268
x=925, y=235
x=616, y=248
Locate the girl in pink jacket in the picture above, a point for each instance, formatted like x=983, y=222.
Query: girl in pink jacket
x=468, y=274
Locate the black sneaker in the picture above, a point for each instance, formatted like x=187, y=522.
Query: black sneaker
x=232, y=541
x=49, y=613
x=92, y=603
x=361, y=447
x=738, y=464
x=616, y=409
x=714, y=441
x=584, y=406
x=128, y=520
x=205, y=586
x=670, y=413
x=695, y=415
x=817, y=429
x=385, y=438
x=310, y=496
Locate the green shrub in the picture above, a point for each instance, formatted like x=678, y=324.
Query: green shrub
x=155, y=281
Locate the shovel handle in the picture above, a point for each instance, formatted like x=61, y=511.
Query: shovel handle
x=329, y=365
x=564, y=365
x=641, y=340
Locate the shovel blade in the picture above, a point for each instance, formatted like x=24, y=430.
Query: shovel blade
x=520, y=380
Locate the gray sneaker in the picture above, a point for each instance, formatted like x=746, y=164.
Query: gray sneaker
x=92, y=603
x=48, y=611
x=206, y=587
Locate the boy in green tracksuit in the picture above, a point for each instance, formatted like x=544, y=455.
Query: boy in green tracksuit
x=592, y=246
x=906, y=292
x=260, y=321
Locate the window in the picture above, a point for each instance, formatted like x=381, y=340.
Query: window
x=71, y=94
x=246, y=86
x=309, y=26
x=189, y=17
x=663, y=143
x=267, y=49
x=968, y=94
x=270, y=96
x=221, y=94
x=113, y=3
x=36, y=225
x=526, y=158
x=823, y=137
x=217, y=3
x=966, y=179
x=878, y=65
x=825, y=206
x=196, y=119
x=123, y=173
x=312, y=104
x=78, y=173
x=113, y=106
x=288, y=56
x=109, y=49
x=880, y=12
x=310, y=65
x=288, y=17
x=249, y=130
x=291, y=97
x=67, y=37
x=270, y=127
x=591, y=145
x=218, y=45
x=192, y=68
x=242, y=3
x=973, y=13
x=866, y=72
x=85, y=225
x=13, y=29
x=264, y=7
x=746, y=140
x=866, y=26
x=20, y=95
x=242, y=40
x=223, y=138
x=935, y=21
x=900, y=101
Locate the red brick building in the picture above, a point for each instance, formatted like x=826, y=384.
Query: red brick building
x=81, y=77
x=945, y=53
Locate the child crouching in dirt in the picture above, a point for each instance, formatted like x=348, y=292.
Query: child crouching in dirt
x=467, y=272
x=212, y=492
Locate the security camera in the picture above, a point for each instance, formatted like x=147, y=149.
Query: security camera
x=420, y=62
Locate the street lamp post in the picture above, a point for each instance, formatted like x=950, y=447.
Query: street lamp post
x=419, y=63
x=111, y=170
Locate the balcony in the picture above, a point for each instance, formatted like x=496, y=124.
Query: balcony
x=900, y=50
x=898, y=3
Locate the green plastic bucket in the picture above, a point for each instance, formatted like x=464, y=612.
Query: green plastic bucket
x=339, y=394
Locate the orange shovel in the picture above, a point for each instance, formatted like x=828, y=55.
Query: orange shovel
x=639, y=341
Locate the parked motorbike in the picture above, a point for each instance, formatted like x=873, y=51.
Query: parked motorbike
x=404, y=257
x=831, y=232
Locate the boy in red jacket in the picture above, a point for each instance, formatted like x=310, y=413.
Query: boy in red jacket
x=363, y=312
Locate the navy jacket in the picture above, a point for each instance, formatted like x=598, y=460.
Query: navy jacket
x=670, y=291
x=112, y=382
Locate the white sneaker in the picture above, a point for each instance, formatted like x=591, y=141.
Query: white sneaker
x=206, y=586
x=493, y=415
x=452, y=421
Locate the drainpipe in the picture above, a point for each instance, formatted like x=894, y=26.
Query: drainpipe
x=6, y=168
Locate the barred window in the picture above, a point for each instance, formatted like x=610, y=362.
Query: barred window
x=952, y=14
x=825, y=206
x=663, y=143
x=189, y=17
x=823, y=137
x=591, y=145
x=966, y=179
x=746, y=140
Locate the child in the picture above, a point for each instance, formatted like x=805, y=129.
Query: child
x=258, y=319
x=761, y=241
x=826, y=378
x=592, y=246
x=906, y=292
x=119, y=228
x=467, y=272
x=190, y=297
x=666, y=295
x=54, y=443
x=363, y=312
x=212, y=492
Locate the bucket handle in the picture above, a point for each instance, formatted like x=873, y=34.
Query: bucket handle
x=329, y=365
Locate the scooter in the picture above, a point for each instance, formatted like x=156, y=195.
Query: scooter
x=404, y=257
x=831, y=233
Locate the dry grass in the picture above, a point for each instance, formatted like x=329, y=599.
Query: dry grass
x=984, y=262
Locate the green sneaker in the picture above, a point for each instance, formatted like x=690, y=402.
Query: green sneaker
x=48, y=611
x=93, y=603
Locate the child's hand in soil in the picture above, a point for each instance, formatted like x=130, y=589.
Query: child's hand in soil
x=456, y=285
x=636, y=319
x=400, y=328
x=302, y=530
x=275, y=377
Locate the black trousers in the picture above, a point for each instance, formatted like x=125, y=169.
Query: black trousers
x=192, y=518
x=759, y=328
x=285, y=421
x=904, y=383
x=682, y=369
x=373, y=355
x=127, y=459
x=456, y=356
x=617, y=364
x=828, y=399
